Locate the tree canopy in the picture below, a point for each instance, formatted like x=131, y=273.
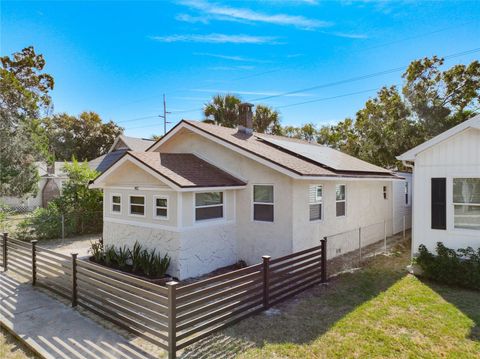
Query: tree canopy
x=431, y=101
x=24, y=97
x=84, y=137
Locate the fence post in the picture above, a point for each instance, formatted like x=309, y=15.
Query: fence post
x=34, y=261
x=323, y=243
x=63, y=227
x=385, y=235
x=404, y=226
x=5, y=260
x=266, y=282
x=360, y=243
x=172, y=319
x=74, y=279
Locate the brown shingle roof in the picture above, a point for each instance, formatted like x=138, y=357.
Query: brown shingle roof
x=286, y=157
x=186, y=169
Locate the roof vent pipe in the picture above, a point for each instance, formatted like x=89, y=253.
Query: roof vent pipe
x=245, y=124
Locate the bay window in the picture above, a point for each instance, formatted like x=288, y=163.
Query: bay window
x=208, y=205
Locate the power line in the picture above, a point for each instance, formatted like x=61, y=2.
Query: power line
x=353, y=79
x=137, y=119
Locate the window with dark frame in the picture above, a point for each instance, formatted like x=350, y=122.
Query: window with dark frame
x=161, y=207
x=137, y=205
x=385, y=196
x=263, y=203
x=208, y=205
x=315, y=202
x=116, y=203
x=439, y=203
x=341, y=200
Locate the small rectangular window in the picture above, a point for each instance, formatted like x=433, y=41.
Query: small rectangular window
x=137, y=205
x=116, y=203
x=439, y=203
x=263, y=203
x=315, y=202
x=160, y=207
x=385, y=196
x=406, y=193
x=341, y=200
x=208, y=205
x=466, y=202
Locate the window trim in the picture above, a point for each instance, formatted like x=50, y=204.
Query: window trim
x=267, y=203
x=119, y=213
x=154, y=205
x=317, y=201
x=130, y=205
x=344, y=200
x=216, y=219
x=452, y=205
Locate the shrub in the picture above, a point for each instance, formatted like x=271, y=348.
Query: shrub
x=137, y=260
x=459, y=268
x=44, y=223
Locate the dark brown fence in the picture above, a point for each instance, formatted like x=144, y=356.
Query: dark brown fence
x=174, y=316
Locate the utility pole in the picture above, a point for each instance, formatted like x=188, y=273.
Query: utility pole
x=165, y=112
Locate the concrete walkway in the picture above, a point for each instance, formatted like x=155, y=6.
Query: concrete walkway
x=55, y=330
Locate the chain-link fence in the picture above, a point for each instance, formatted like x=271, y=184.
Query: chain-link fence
x=44, y=225
x=348, y=249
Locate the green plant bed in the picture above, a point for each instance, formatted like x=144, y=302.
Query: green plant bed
x=160, y=280
x=137, y=261
x=458, y=268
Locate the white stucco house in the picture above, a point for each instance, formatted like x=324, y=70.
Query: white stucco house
x=446, y=179
x=210, y=196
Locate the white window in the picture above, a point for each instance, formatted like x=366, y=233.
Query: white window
x=208, y=205
x=160, y=207
x=116, y=203
x=315, y=202
x=466, y=202
x=137, y=205
x=341, y=200
x=406, y=193
x=263, y=203
x=385, y=194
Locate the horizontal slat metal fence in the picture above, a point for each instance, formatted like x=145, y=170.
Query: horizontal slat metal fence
x=133, y=304
x=173, y=316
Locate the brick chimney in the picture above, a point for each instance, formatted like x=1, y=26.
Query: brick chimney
x=245, y=123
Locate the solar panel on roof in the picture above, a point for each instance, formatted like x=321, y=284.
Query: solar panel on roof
x=325, y=156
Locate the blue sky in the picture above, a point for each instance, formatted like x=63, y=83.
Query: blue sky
x=118, y=57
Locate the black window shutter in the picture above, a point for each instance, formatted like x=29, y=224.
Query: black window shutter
x=439, y=203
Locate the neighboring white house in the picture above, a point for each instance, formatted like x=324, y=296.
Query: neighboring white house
x=210, y=196
x=49, y=187
x=402, y=202
x=446, y=179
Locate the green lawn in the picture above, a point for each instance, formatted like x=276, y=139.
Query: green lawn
x=378, y=312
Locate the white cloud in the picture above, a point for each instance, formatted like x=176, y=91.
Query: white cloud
x=192, y=19
x=228, y=68
x=349, y=36
x=227, y=13
x=217, y=39
x=230, y=57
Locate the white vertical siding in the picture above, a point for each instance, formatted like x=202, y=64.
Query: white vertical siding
x=458, y=156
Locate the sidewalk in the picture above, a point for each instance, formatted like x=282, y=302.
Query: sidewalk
x=55, y=330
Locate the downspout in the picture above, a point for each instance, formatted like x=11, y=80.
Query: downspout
x=412, y=166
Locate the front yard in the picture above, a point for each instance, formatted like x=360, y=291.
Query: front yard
x=10, y=348
x=379, y=311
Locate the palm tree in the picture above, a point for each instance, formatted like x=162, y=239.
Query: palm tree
x=266, y=120
x=222, y=110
